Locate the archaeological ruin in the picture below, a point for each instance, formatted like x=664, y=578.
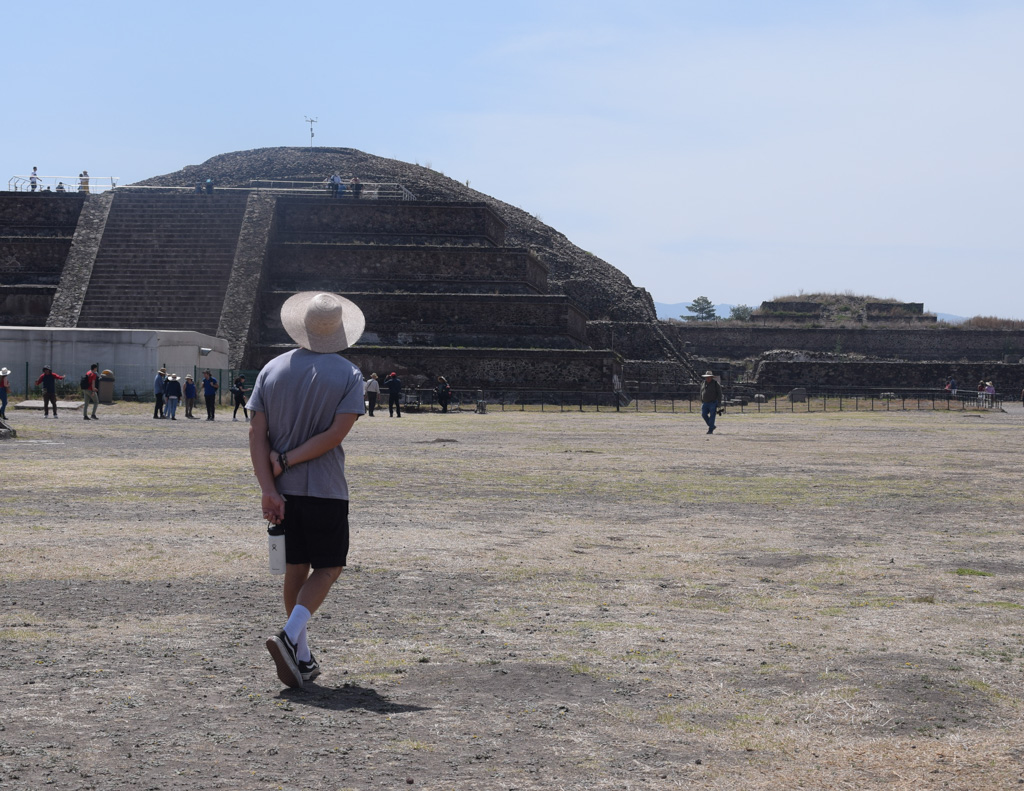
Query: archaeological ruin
x=451, y=281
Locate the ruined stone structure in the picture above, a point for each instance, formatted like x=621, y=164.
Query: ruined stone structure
x=453, y=282
x=441, y=291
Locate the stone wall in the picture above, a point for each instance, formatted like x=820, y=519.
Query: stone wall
x=239, y=322
x=25, y=306
x=632, y=339
x=35, y=236
x=482, y=320
x=77, y=273
x=33, y=259
x=315, y=219
x=39, y=214
x=794, y=308
x=488, y=369
x=906, y=344
x=375, y=267
x=1008, y=378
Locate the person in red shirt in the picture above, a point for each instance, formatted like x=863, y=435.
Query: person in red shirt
x=91, y=393
x=48, y=379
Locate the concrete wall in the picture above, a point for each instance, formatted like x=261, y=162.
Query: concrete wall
x=133, y=355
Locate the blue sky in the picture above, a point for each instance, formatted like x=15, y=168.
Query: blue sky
x=738, y=150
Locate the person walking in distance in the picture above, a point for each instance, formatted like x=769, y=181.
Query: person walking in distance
x=33, y=179
x=210, y=386
x=5, y=387
x=91, y=391
x=371, y=389
x=303, y=405
x=710, y=397
x=238, y=396
x=48, y=379
x=394, y=386
x=158, y=393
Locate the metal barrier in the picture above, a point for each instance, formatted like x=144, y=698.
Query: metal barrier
x=59, y=184
x=876, y=400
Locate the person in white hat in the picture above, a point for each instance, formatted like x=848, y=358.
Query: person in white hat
x=710, y=396
x=302, y=405
x=5, y=385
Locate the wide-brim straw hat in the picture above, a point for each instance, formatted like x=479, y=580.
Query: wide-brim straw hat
x=708, y=373
x=161, y=370
x=5, y=371
x=174, y=377
x=322, y=322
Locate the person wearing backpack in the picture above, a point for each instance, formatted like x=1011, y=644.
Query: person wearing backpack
x=90, y=391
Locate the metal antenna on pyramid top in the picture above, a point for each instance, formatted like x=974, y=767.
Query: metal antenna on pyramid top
x=310, y=121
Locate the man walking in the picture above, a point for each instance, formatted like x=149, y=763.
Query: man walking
x=303, y=405
x=394, y=386
x=158, y=394
x=48, y=379
x=210, y=386
x=90, y=393
x=710, y=396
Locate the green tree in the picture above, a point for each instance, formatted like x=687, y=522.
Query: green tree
x=702, y=308
x=741, y=312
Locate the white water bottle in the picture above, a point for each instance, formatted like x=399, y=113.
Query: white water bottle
x=275, y=543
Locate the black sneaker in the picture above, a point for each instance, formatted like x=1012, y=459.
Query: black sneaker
x=283, y=651
x=93, y=417
x=310, y=669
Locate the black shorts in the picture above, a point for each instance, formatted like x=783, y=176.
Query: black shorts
x=315, y=531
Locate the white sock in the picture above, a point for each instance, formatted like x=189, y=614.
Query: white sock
x=296, y=622
x=302, y=651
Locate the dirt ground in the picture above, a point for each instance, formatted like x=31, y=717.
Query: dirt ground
x=534, y=601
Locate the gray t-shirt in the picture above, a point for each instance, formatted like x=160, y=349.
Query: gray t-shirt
x=300, y=392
